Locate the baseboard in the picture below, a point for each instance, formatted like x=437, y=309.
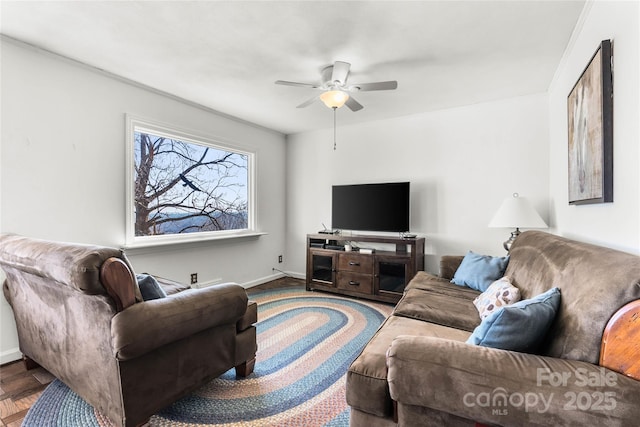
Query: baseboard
x=10, y=356
x=200, y=285
x=271, y=277
x=261, y=280
x=295, y=275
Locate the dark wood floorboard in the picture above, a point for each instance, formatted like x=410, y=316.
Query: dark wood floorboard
x=283, y=282
x=19, y=388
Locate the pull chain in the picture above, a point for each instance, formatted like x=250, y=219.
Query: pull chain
x=334, y=128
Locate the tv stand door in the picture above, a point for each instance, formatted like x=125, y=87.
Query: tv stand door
x=321, y=269
x=391, y=275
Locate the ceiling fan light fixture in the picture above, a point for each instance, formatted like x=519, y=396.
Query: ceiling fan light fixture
x=334, y=98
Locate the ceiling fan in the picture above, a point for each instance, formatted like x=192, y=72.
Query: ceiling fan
x=336, y=91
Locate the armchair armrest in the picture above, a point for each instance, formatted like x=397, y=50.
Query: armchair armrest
x=151, y=324
x=507, y=388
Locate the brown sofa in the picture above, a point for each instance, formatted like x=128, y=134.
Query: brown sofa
x=418, y=371
x=127, y=358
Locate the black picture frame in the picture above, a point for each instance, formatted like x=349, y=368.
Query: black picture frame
x=590, y=131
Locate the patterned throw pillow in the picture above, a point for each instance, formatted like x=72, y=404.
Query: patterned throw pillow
x=498, y=294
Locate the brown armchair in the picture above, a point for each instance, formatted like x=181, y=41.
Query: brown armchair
x=79, y=315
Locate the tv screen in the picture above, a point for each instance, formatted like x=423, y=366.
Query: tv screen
x=371, y=207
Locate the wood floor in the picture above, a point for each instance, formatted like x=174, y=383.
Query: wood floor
x=19, y=388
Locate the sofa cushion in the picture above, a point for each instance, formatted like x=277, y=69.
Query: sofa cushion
x=426, y=281
x=149, y=287
x=456, y=311
x=367, y=388
x=479, y=271
x=499, y=294
x=519, y=327
x=426, y=297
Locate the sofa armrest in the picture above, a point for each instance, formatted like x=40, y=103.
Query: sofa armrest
x=507, y=388
x=148, y=325
x=448, y=265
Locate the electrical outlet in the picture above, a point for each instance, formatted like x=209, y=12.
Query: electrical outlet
x=279, y=258
x=194, y=278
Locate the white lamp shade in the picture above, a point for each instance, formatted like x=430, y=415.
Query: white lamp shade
x=334, y=98
x=517, y=212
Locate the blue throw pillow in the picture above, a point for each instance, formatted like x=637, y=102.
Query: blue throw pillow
x=479, y=271
x=149, y=287
x=521, y=326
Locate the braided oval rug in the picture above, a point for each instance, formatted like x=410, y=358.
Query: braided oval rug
x=306, y=341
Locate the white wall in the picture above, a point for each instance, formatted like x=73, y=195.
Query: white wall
x=8, y=334
x=461, y=164
x=614, y=224
x=63, y=169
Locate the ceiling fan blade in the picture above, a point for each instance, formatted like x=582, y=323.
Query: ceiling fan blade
x=286, y=83
x=340, y=72
x=353, y=104
x=308, y=102
x=390, y=85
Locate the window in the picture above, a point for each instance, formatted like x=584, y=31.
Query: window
x=182, y=187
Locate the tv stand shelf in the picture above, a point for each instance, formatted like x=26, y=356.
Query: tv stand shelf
x=380, y=276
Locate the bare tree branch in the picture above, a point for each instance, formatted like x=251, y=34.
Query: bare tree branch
x=182, y=187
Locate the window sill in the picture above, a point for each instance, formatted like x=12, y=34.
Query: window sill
x=172, y=240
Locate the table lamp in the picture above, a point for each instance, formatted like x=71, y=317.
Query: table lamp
x=516, y=212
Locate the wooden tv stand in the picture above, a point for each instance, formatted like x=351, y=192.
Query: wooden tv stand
x=380, y=276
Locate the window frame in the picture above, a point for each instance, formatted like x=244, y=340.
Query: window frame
x=137, y=124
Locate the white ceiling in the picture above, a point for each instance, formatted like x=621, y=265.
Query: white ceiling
x=226, y=55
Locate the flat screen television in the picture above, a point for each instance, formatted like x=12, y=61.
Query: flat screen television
x=371, y=207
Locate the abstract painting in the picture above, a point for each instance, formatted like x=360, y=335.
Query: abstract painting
x=590, y=123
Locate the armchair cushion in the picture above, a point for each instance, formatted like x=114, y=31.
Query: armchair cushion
x=521, y=326
x=479, y=271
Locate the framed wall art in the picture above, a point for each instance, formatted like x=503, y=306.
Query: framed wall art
x=590, y=122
